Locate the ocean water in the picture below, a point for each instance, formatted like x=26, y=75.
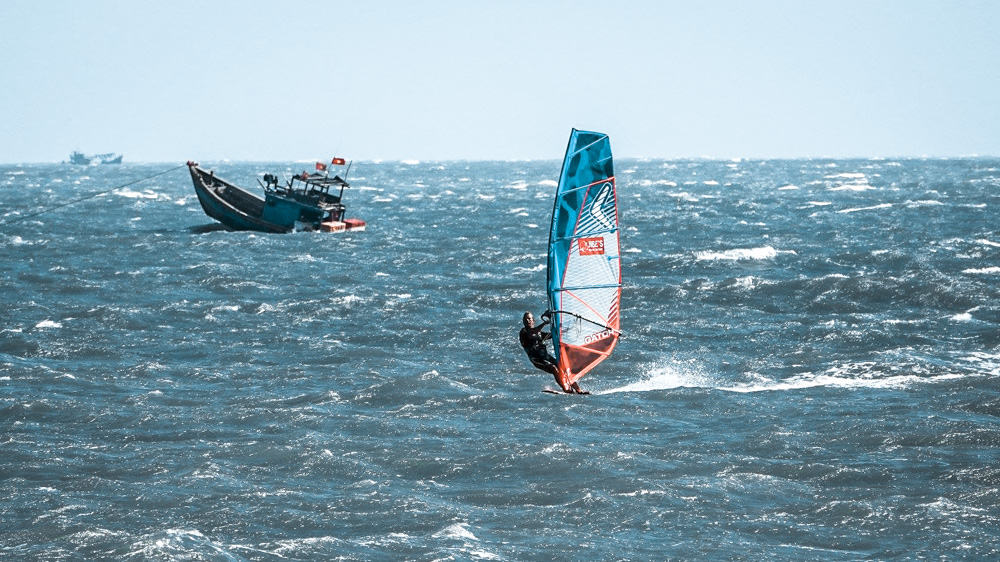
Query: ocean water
x=810, y=369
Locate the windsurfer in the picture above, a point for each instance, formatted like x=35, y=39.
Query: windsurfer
x=533, y=341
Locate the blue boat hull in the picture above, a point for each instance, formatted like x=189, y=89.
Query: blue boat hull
x=232, y=206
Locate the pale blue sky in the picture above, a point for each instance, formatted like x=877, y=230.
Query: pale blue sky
x=171, y=81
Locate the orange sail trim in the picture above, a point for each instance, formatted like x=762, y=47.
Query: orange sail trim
x=576, y=361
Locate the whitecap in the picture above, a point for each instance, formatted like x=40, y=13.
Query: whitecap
x=835, y=378
x=961, y=317
x=872, y=208
x=988, y=242
x=48, y=324
x=983, y=271
x=684, y=196
x=846, y=175
x=456, y=531
x=788, y=187
x=145, y=194
x=852, y=187
x=548, y=183
x=761, y=253
x=410, y=162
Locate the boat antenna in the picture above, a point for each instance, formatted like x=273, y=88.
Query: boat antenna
x=91, y=196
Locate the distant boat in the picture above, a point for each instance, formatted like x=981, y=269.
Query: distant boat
x=82, y=159
x=305, y=202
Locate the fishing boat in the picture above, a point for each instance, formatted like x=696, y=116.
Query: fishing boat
x=81, y=159
x=584, y=281
x=306, y=202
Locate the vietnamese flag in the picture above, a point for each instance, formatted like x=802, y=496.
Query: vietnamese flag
x=338, y=161
x=321, y=166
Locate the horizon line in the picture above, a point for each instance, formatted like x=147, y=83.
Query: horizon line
x=415, y=161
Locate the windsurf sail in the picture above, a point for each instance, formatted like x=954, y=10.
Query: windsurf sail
x=584, y=265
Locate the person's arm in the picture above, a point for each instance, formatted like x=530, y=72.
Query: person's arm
x=539, y=327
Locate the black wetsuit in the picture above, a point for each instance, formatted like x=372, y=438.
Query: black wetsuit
x=533, y=342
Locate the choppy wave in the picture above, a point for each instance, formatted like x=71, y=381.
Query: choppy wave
x=736, y=254
x=870, y=208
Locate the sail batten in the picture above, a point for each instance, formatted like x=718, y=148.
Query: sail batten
x=584, y=263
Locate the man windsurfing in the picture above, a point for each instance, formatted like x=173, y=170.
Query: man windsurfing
x=533, y=341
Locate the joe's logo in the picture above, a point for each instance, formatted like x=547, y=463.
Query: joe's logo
x=591, y=246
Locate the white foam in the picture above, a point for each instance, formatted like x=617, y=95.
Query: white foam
x=762, y=253
x=983, y=271
x=852, y=187
x=667, y=183
x=410, y=162
x=48, y=324
x=988, y=242
x=456, y=531
x=961, y=317
x=872, y=208
x=684, y=195
x=846, y=175
x=145, y=194
x=838, y=381
x=664, y=378
x=788, y=187
x=548, y=183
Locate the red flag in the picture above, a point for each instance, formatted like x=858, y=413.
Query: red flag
x=321, y=166
x=338, y=162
